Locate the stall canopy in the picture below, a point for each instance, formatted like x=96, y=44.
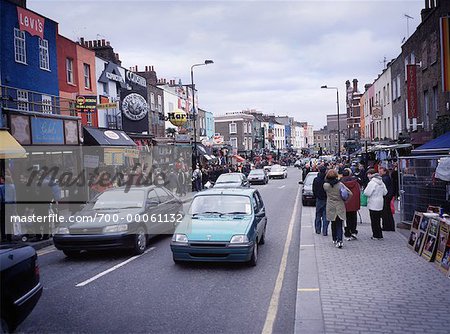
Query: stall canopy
x=9, y=147
x=440, y=145
x=106, y=137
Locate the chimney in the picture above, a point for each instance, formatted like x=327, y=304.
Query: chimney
x=136, y=69
x=367, y=86
x=103, y=42
x=108, y=43
x=355, y=85
x=347, y=84
x=81, y=40
x=424, y=12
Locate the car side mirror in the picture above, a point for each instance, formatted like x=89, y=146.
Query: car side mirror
x=300, y=182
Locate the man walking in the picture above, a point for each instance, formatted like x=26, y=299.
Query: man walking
x=321, y=223
x=387, y=217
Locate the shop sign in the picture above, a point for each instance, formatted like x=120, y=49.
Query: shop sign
x=113, y=156
x=131, y=153
x=47, y=131
x=136, y=79
x=377, y=113
x=30, y=22
x=412, y=90
x=134, y=107
x=84, y=102
x=218, y=140
x=111, y=135
x=20, y=129
x=90, y=161
x=185, y=138
x=111, y=105
x=71, y=132
x=112, y=73
x=177, y=117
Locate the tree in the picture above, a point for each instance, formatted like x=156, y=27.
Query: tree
x=171, y=132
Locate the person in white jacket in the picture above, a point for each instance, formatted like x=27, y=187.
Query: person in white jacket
x=375, y=191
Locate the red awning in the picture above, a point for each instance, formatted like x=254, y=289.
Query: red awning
x=238, y=158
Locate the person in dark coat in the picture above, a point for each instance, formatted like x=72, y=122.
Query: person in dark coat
x=352, y=205
x=321, y=223
x=387, y=217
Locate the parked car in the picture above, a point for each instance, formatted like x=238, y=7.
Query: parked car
x=297, y=163
x=20, y=284
x=120, y=219
x=232, y=180
x=258, y=176
x=307, y=191
x=278, y=171
x=222, y=225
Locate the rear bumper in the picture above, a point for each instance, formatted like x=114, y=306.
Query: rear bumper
x=23, y=306
x=94, y=242
x=212, y=254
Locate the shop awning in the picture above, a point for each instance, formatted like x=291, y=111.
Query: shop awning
x=9, y=147
x=106, y=137
x=440, y=145
x=238, y=158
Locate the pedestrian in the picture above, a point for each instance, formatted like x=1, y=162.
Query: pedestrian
x=387, y=217
x=181, y=182
x=352, y=205
x=375, y=191
x=321, y=223
x=197, y=178
x=44, y=194
x=335, y=205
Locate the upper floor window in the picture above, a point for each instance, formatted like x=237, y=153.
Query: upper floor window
x=152, y=101
x=20, y=52
x=249, y=128
x=233, y=142
x=170, y=106
x=69, y=70
x=22, y=100
x=245, y=127
x=47, y=104
x=159, y=103
x=87, y=76
x=233, y=128
x=44, y=62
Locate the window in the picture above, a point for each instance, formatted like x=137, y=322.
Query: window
x=87, y=76
x=394, y=89
x=89, y=118
x=249, y=128
x=170, y=106
x=426, y=109
x=435, y=105
x=245, y=127
x=398, y=86
x=233, y=128
x=22, y=100
x=250, y=145
x=105, y=88
x=152, y=101
x=46, y=104
x=159, y=103
x=69, y=70
x=163, y=196
x=44, y=62
x=387, y=94
x=245, y=143
x=19, y=46
x=233, y=142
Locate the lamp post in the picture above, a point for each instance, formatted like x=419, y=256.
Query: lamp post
x=339, y=125
x=208, y=61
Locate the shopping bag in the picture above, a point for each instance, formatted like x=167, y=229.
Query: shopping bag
x=393, y=205
x=363, y=199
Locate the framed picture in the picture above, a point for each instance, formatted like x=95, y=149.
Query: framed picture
x=419, y=243
x=430, y=242
x=433, y=209
x=445, y=261
x=444, y=229
x=416, y=220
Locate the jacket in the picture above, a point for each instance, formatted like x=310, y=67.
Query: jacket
x=354, y=202
x=317, y=187
x=388, y=183
x=375, y=191
x=335, y=204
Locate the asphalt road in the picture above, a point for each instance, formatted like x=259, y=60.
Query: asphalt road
x=150, y=294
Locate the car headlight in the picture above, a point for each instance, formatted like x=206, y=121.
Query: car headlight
x=62, y=230
x=180, y=238
x=239, y=239
x=115, y=228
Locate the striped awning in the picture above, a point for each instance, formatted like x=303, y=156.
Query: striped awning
x=9, y=147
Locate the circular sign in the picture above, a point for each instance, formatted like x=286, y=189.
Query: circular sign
x=111, y=134
x=134, y=107
x=81, y=100
x=177, y=117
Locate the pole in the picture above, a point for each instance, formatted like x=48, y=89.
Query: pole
x=194, y=160
x=339, y=124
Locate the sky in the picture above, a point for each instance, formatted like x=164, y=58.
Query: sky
x=272, y=56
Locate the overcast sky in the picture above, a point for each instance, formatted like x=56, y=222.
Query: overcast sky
x=271, y=56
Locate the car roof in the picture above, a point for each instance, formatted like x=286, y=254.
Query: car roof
x=227, y=191
x=133, y=188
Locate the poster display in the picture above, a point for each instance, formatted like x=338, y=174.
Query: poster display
x=444, y=230
x=422, y=232
x=414, y=229
x=430, y=242
x=445, y=262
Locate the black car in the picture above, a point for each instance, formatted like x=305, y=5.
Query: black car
x=20, y=284
x=232, y=180
x=120, y=218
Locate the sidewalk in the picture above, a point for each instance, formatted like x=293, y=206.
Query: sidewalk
x=367, y=286
x=45, y=243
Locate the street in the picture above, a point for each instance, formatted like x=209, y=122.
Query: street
x=119, y=293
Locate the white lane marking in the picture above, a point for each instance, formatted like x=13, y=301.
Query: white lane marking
x=307, y=245
x=281, y=187
x=46, y=250
x=103, y=273
x=274, y=301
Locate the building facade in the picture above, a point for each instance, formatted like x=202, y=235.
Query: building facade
x=236, y=129
x=353, y=98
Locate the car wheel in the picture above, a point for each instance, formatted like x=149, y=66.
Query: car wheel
x=140, y=241
x=262, y=240
x=254, y=258
x=71, y=253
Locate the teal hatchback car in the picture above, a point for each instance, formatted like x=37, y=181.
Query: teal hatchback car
x=222, y=225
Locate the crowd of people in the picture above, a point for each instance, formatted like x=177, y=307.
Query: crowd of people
x=340, y=189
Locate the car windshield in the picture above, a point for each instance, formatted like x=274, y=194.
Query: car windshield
x=229, y=178
x=120, y=200
x=309, y=179
x=220, y=204
x=276, y=168
x=257, y=172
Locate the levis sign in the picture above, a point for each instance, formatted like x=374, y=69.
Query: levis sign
x=31, y=22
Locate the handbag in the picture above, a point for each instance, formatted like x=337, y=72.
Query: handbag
x=363, y=199
x=345, y=194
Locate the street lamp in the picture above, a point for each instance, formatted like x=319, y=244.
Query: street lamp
x=339, y=125
x=208, y=61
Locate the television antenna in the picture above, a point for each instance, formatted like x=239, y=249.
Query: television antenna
x=407, y=24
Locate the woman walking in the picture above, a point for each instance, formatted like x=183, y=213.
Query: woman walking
x=335, y=205
x=375, y=191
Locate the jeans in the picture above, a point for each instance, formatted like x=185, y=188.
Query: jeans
x=351, y=223
x=321, y=222
x=336, y=229
x=375, y=221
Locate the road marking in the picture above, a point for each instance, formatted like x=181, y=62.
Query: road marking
x=306, y=226
x=306, y=245
x=46, y=250
x=308, y=290
x=103, y=273
x=274, y=301
x=281, y=187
